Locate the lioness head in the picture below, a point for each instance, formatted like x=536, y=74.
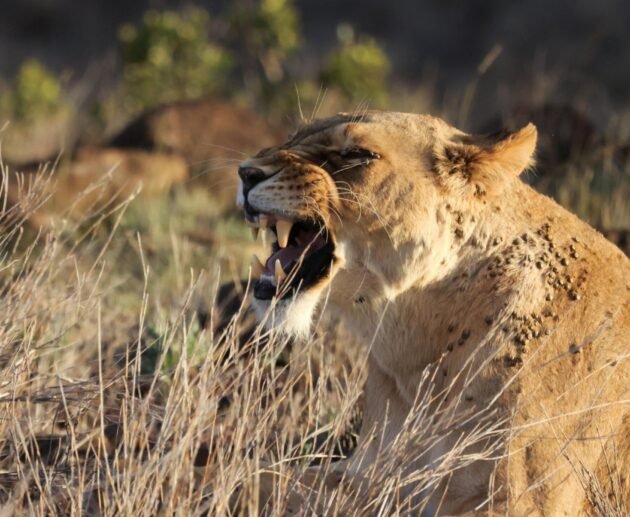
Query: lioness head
x=379, y=194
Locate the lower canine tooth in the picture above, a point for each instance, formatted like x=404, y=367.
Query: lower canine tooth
x=279, y=271
x=257, y=267
x=283, y=229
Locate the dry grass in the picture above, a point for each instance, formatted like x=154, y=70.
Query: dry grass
x=125, y=389
x=122, y=393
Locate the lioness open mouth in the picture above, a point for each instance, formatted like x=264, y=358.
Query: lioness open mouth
x=302, y=253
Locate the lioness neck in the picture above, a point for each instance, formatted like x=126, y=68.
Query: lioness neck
x=491, y=269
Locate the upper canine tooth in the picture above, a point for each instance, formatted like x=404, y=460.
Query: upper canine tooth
x=263, y=220
x=283, y=229
x=254, y=232
x=279, y=271
x=257, y=267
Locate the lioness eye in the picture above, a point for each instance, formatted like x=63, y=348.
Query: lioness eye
x=357, y=153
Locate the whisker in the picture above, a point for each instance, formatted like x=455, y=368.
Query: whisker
x=299, y=103
x=212, y=160
x=242, y=153
x=207, y=170
x=219, y=182
x=370, y=208
x=318, y=103
x=314, y=206
x=346, y=168
x=361, y=110
x=291, y=122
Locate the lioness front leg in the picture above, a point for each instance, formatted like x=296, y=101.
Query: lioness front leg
x=311, y=488
x=307, y=491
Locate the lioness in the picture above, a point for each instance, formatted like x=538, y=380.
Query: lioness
x=473, y=293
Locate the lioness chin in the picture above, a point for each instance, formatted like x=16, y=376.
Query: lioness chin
x=482, y=303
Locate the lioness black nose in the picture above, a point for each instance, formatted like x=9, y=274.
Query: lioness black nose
x=251, y=176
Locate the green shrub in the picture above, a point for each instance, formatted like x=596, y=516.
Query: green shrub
x=272, y=26
x=357, y=68
x=36, y=92
x=266, y=33
x=170, y=56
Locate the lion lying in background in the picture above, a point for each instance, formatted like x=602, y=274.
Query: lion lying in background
x=481, y=301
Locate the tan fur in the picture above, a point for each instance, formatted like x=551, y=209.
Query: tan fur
x=449, y=266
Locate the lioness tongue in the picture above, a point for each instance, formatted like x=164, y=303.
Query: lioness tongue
x=290, y=254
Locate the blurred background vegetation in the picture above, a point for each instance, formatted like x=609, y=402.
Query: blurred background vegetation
x=246, y=52
x=169, y=96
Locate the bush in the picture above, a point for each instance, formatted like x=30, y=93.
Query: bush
x=358, y=68
x=264, y=34
x=170, y=56
x=273, y=25
x=267, y=34
x=36, y=92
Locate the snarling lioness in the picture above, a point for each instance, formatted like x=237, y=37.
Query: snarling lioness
x=481, y=302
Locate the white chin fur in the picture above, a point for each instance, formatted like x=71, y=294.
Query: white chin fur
x=292, y=317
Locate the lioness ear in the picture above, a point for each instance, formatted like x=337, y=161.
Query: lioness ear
x=483, y=165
